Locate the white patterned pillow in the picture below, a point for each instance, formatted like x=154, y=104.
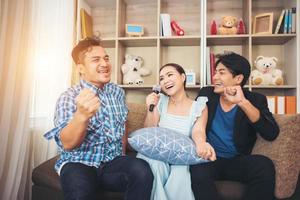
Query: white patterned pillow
x=165, y=145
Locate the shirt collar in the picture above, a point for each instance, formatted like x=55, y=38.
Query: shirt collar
x=85, y=84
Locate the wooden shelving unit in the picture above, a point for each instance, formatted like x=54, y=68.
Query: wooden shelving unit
x=195, y=16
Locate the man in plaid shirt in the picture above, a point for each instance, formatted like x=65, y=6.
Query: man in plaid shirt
x=89, y=125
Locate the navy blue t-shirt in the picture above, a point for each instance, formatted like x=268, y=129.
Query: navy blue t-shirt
x=220, y=135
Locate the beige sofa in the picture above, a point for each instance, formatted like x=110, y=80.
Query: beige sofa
x=284, y=151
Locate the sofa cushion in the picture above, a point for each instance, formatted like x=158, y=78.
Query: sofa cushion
x=285, y=154
x=136, y=115
x=45, y=175
x=165, y=145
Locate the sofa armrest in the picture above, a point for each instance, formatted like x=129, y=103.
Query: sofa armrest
x=285, y=154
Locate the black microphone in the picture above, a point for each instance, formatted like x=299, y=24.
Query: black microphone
x=156, y=89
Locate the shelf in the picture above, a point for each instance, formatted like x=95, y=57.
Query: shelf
x=138, y=41
x=274, y=86
x=271, y=39
x=193, y=86
x=137, y=86
x=227, y=39
x=146, y=86
x=180, y=41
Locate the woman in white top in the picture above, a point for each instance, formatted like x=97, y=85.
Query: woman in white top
x=175, y=110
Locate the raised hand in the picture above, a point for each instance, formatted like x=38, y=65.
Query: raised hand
x=152, y=98
x=234, y=94
x=87, y=104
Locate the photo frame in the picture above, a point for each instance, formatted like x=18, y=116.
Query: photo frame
x=134, y=30
x=190, y=78
x=263, y=23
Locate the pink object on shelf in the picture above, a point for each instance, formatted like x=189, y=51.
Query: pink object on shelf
x=175, y=27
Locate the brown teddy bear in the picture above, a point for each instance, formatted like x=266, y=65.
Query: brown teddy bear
x=228, y=26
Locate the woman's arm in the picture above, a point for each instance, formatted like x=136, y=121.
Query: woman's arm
x=203, y=148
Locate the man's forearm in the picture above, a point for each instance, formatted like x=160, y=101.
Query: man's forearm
x=74, y=133
x=251, y=111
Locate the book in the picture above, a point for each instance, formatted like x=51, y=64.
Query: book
x=272, y=104
x=294, y=20
x=166, y=24
x=290, y=105
x=86, y=24
x=290, y=22
x=208, y=72
x=280, y=105
x=212, y=67
x=286, y=21
x=279, y=22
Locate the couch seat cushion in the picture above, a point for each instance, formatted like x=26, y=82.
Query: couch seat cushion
x=285, y=154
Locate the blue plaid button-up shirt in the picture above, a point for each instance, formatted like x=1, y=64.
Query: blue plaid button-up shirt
x=103, y=140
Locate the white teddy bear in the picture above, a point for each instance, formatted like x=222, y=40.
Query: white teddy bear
x=266, y=72
x=133, y=71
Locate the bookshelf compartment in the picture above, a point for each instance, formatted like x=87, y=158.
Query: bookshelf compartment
x=140, y=12
x=104, y=17
x=149, y=61
x=274, y=6
x=281, y=53
x=216, y=9
x=185, y=13
x=186, y=56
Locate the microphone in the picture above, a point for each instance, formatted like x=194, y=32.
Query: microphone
x=156, y=89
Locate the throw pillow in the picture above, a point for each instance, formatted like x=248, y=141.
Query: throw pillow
x=165, y=145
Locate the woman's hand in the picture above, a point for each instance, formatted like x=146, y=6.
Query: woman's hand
x=152, y=99
x=206, y=151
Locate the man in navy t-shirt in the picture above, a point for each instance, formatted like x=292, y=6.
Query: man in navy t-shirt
x=235, y=117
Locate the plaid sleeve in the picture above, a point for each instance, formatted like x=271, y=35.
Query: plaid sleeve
x=65, y=108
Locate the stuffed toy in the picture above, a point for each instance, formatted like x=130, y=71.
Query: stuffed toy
x=228, y=26
x=133, y=70
x=266, y=72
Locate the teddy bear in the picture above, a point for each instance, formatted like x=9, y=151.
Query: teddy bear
x=228, y=26
x=133, y=70
x=266, y=72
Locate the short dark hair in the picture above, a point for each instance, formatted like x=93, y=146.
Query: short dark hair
x=236, y=64
x=82, y=47
x=178, y=68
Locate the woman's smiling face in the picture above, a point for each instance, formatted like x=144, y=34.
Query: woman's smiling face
x=170, y=80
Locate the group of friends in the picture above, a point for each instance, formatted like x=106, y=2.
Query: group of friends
x=223, y=121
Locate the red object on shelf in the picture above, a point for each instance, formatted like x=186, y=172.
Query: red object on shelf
x=241, y=27
x=213, y=28
x=175, y=27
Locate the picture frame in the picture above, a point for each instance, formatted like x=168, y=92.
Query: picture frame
x=134, y=30
x=263, y=23
x=190, y=78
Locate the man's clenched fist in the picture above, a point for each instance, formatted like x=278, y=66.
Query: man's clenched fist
x=87, y=104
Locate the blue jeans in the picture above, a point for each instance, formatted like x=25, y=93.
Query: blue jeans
x=126, y=174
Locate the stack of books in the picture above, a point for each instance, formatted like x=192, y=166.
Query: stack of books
x=286, y=22
x=282, y=104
